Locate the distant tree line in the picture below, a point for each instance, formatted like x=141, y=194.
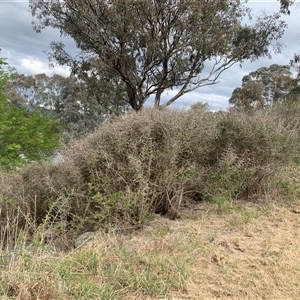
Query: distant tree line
x=70, y=100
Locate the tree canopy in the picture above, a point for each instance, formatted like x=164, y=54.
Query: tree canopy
x=24, y=135
x=264, y=87
x=143, y=48
x=284, y=5
x=70, y=100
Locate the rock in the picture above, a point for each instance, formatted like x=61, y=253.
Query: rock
x=84, y=238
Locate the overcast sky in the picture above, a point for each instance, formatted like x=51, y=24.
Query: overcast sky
x=23, y=48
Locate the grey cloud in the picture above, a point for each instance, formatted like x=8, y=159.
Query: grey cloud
x=18, y=36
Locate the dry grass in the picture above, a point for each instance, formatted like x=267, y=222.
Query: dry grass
x=243, y=251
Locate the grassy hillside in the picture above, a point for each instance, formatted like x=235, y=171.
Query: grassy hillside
x=183, y=205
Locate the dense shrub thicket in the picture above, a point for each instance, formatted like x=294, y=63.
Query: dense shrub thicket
x=151, y=161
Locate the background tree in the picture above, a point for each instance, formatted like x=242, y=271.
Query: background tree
x=294, y=94
x=147, y=47
x=73, y=102
x=5, y=73
x=24, y=135
x=264, y=87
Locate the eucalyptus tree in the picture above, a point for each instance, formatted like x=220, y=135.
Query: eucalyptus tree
x=72, y=101
x=264, y=87
x=145, y=48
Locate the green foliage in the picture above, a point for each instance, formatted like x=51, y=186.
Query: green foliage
x=24, y=135
x=5, y=73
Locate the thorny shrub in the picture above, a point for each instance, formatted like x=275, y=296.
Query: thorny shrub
x=146, y=162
